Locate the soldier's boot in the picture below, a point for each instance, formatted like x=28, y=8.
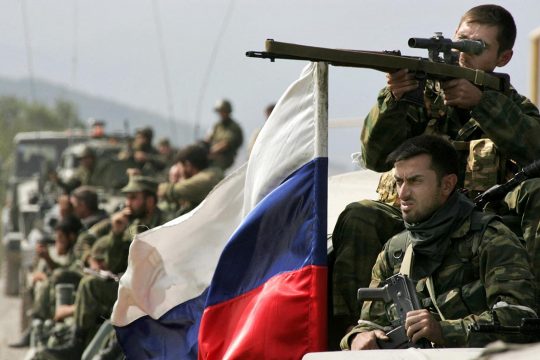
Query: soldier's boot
x=73, y=349
x=24, y=340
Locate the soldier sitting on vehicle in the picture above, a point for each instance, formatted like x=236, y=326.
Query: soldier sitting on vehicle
x=65, y=233
x=166, y=152
x=94, y=224
x=85, y=204
x=467, y=265
x=174, y=176
x=198, y=179
x=87, y=173
x=96, y=294
x=495, y=133
x=226, y=137
x=145, y=155
x=84, y=175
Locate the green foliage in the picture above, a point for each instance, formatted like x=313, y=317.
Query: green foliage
x=17, y=115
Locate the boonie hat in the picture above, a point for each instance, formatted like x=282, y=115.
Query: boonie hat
x=223, y=105
x=140, y=183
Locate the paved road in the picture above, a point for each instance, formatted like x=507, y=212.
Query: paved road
x=9, y=325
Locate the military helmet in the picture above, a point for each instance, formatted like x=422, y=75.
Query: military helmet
x=140, y=183
x=223, y=105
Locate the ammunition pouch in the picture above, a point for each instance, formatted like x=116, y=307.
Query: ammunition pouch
x=483, y=165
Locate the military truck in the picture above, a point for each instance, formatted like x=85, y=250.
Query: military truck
x=35, y=153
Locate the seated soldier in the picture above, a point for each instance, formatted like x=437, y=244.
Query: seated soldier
x=87, y=173
x=175, y=175
x=43, y=278
x=495, y=133
x=477, y=266
x=85, y=204
x=198, y=179
x=226, y=137
x=97, y=292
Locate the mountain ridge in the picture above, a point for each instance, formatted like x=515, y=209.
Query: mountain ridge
x=113, y=112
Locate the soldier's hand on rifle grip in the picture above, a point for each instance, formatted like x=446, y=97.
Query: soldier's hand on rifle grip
x=421, y=324
x=368, y=340
x=401, y=82
x=461, y=93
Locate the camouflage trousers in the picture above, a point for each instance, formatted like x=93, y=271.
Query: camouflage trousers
x=524, y=201
x=360, y=233
x=44, y=299
x=93, y=304
x=363, y=228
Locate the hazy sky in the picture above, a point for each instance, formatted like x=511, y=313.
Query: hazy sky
x=115, y=47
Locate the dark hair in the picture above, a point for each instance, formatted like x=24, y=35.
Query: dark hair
x=444, y=157
x=494, y=15
x=88, y=196
x=196, y=154
x=69, y=225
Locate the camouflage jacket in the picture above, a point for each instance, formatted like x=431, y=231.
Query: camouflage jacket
x=94, y=227
x=190, y=192
x=231, y=133
x=115, y=248
x=483, y=269
x=509, y=120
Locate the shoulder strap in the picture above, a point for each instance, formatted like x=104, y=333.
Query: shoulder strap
x=479, y=223
x=406, y=264
x=405, y=270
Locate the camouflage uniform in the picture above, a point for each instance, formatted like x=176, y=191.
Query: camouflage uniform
x=508, y=119
x=96, y=296
x=81, y=176
x=189, y=193
x=230, y=132
x=484, y=266
x=94, y=227
x=357, y=220
x=44, y=291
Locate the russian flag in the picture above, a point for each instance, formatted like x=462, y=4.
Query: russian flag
x=244, y=275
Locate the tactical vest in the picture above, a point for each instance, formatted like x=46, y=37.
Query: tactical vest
x=482, y=164
x=464, y=293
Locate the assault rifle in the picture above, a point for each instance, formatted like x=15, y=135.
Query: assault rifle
x=399, y=290
x=528, y=326
x=102, y=274
x=497, y=192
x=435, y=67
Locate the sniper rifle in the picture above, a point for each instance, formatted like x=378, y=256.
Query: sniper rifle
x=435, y=67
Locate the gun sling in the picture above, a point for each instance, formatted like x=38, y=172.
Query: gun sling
x=405, y=269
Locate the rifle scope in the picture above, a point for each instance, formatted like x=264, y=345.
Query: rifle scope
x=439, y=43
